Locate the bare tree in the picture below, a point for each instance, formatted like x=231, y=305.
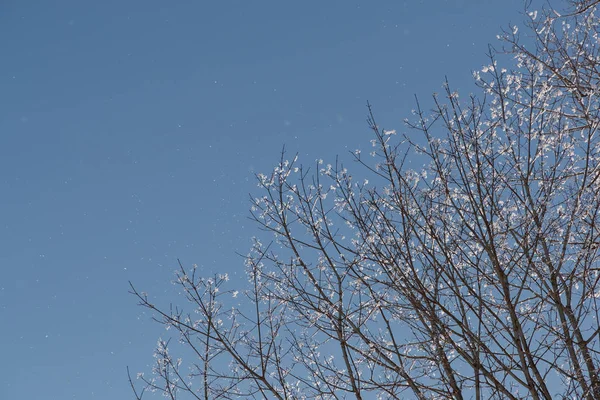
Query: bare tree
x=474, y=276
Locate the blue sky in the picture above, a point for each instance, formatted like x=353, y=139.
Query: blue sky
x=130, y=132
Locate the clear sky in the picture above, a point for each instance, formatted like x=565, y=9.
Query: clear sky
x=130, y=132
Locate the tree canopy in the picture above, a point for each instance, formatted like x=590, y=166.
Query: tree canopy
x=472, y=276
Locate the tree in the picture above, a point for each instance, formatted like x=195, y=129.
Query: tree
x=474, y=276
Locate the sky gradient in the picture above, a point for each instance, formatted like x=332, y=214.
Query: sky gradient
x=130, y=135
